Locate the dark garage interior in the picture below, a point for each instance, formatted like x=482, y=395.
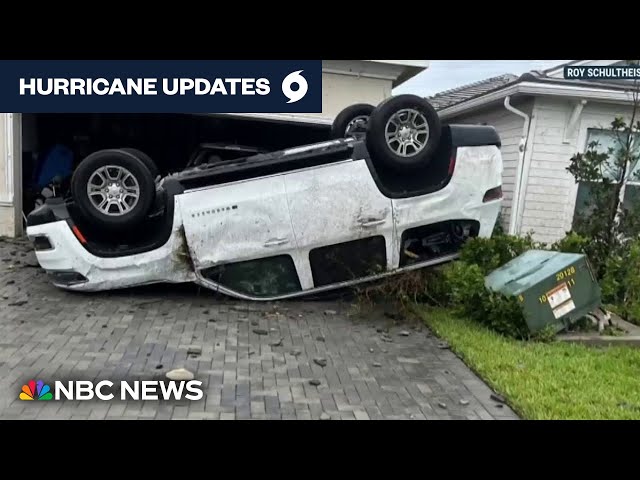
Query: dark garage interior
x=54, y=144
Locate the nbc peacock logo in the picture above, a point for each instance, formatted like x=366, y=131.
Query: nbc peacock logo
x=36, y=391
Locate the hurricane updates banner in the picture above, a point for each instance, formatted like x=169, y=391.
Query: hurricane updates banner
x=161, y=86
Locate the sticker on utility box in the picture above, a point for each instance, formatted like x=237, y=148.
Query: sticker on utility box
x=558, y=295
x=564, y=309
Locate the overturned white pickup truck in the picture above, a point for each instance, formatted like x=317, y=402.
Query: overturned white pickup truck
x=399, y=192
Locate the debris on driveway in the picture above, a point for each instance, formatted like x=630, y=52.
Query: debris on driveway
x=194, y=350
x=353, y=351
x=180, y=374
x=278, y=343
x=18, y=303
x=497, y=398
x=320, y=361
x=394, y=316
x=245, y=308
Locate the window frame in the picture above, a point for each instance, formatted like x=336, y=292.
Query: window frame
x=628, y=180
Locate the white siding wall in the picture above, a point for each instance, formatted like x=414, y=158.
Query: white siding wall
x=509, y=127
x=551, y=191
x=340, y=91
x=548, y=187
x=10, y=220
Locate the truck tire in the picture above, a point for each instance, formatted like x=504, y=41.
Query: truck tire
x=146, y=159
x=404, y=132
x=352, y=122
x=113, y=189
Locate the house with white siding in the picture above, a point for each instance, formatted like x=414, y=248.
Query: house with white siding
x=543, y=119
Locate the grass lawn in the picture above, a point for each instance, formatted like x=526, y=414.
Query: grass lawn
x=546, y=380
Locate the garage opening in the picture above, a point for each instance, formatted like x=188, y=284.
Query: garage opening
x=54, y=144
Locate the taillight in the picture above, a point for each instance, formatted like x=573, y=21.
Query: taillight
x=452, y=163
x=493, y=194
x=78, y=234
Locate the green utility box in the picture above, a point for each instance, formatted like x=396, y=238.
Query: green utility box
x=554, y=288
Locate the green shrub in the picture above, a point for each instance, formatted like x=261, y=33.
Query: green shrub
x=621, y=281
x=465, y=286
x=498, y=228
x=572, y=243
x=469, y=296
x=491, y=253
x=545, y=335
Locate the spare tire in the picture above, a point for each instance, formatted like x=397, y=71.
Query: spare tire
x=146, y=159
x=403, y=132
x=352, y=122
x=113, y=189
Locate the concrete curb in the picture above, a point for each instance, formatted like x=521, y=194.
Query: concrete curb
x=632, y=338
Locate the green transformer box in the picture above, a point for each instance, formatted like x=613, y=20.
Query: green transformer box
x=553, y=288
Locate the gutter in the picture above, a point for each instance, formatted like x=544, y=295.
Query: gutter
x=300, y=118
x=539, y=88
x=522, y=148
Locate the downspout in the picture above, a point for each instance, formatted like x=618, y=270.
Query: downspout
x=517, y=188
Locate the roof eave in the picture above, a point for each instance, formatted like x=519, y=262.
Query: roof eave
x=538, y=88
x=408, y=73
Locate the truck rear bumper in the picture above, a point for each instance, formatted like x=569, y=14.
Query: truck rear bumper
x=73, y=267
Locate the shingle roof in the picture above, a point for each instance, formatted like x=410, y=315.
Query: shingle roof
x=452, y=97
x=466, y=92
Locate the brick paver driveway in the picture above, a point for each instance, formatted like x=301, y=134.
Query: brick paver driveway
x=255, y=360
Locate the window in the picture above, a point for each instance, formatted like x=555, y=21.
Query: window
x=608, y=143
x=348, y=261
x=264, y=277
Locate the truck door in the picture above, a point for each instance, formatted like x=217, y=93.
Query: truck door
x=342, y=223
x=240, y=236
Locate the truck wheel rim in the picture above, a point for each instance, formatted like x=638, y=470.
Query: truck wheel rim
x=407, y=132
x=113, y=190
x=357, y=128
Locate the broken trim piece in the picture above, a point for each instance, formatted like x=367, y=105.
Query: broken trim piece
x=200, y=280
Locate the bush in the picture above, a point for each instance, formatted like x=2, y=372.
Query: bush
x=417, y=286
x=465, y=285
x=498, y=228
x=621, y=281
x=572, y=243
x=491, y=253
x=469, y=296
